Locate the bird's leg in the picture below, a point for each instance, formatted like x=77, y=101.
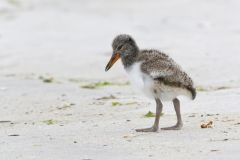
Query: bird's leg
x=154, y=128
x=179, y=124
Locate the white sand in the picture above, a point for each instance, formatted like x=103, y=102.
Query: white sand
x=71, y=42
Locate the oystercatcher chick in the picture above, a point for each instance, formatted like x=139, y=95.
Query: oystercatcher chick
x=156, y=74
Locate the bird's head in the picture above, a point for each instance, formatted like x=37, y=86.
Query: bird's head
x=123, y=46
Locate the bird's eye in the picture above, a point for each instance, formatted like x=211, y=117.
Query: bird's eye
x=119, y=47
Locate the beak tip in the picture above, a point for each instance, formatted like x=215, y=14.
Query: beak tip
x=106, y=68
x=113, y=59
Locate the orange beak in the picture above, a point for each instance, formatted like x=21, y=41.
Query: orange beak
x=113, y=59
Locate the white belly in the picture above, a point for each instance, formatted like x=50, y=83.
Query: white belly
x=146, y=85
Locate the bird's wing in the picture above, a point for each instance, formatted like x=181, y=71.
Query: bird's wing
x=161, y=67
x=156, y=64
x=157, y=68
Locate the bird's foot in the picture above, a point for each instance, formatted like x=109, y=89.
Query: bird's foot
x=151, y=129
x=178, y=126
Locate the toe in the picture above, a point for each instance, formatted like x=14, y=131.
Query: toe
x=171, y=128
x=176, y=127
x=152, y=129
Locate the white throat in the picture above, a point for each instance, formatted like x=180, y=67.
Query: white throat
x=140, y=80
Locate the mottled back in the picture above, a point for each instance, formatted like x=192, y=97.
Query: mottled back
x=162, y=68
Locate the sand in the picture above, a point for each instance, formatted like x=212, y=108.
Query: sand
x=52, y=58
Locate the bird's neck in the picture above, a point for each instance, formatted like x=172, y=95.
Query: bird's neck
x=129, y=59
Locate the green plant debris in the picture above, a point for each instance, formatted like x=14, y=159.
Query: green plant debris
x=96, y=85
x=89, y=86
x=46, y=79
x=102, y=84
x=99, y=84
x=50, y=122
x=130, y=103
x=123, y=104
x=116, y=104
x=211, y=88
x=107, y=97
x=151, y=114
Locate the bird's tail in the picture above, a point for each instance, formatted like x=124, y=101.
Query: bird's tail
x=192, y=91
